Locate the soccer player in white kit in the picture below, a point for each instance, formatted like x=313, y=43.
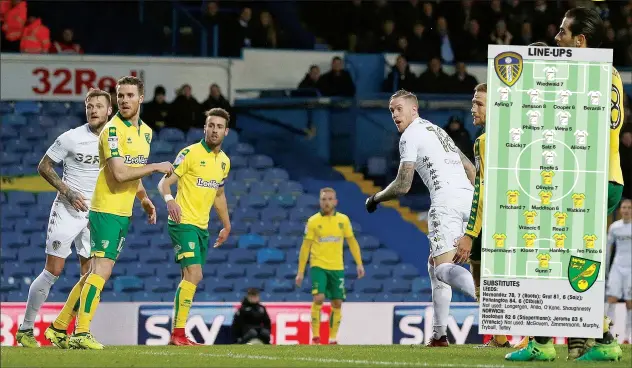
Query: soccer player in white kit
x=619, y=282
x=426, y=148
x=78, y=150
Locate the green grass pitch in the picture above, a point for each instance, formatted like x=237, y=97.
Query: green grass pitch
x=283, y=356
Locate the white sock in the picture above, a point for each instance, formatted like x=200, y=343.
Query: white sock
x=441, y=298
x=457, y=277
x=38, y=292
x=610, y=310
x=628, y=326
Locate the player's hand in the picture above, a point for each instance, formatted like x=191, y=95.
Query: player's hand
x=221, y=238
x=165, y=168
x=463, y=249
x=76, y=200
x=149, y=209
x=299, y=279
x=371, y=204
x=174, y=211
x=360, y=270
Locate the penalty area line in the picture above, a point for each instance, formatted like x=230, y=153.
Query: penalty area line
x=323, y=360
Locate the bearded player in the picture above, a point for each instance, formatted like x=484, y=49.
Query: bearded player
x=448, y=174
x=584, y=28
x=200, y=173
x=123, y=154
x=78, y=150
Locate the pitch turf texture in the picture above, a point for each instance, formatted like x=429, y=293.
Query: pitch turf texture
x=283, y=356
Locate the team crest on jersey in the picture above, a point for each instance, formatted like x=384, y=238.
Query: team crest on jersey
x=129, y=140
x=223, y=166
x=105, y=243
x=582, y=273
x=203, y=163
x=340, y=225
x=508, y=67
x=56, y=244
x=192, y=245
x=148, y=138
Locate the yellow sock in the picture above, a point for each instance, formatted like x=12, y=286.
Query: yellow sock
x=500, y=339
x=316, y=319
x=334, y=323
x=182, y=303
x=89, y=300
x=70, y=309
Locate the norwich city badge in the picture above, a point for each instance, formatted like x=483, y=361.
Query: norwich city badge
x=582, y=273
x=508, y=67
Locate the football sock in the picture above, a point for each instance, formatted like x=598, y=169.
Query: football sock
x=610, y=308
x=500, y=339
x=542, y=339
x=628, y=326
x=38, y=292
x=441, y=298
x=316, y=319
x=89, y=301
x=70, y=308
x=334, y=323
x=182, y=303
x=457, y=277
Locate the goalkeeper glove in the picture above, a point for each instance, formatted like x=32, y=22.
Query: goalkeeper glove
x=371, y=204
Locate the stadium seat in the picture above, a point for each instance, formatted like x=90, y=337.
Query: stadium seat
x=306, y=286
x=7, y=225
x=379, y=272
x=33, y=133
x=27, y=107
x=244, y=284
x=172, y=135
x=8, y=133
x=377, y=166
x=217, y=256
x=283, y=201
x=238, y=162
x=283, y=242
x=279, y=177
x=301, y=215
x=39, y=212
x=20, y=146
x=14, y=170
x=247, y=175
x=279, y=286
x=110, y=296
x=8, y=158
x=421, y=284
x=236, y=188
x=155, y=256
x=260, y=162
x=6, y=107
x=12, y=120
x=160, y=285
x=261, y=271
x=143, y=296
x=46, y=198
x=69, y=122
x=262, y=188
x=230, y=271
x=37, y=239
x=241, y=256
x=395, y=286
x=143, y=271
x=367, y=285
x=239, y=229
x=252, y=241
x=230, y=243
x=128, y=256
x=357, y=228
x=21, y=198
x=299, y=297
x=55, y=108
x=270, y=256
x=194, y=135
x=245, y=214
x=163, y=147
x=78, y=108
x=8, y=255
x=170, y=270
x=43, y=122
x=405, y=271
x=244, y=149
x=287, y=272
x=385, y=257
x=273, y=214
x=368, y=242
x=309, y=201
x=222, y=286
x=264, y=228
x=139, y=242
x=230, y=140
x=292, y=229
x=28, y=226
x=255, y=201
x=351, y=271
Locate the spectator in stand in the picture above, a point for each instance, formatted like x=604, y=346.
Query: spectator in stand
x=543, y=17
x=13, y=17
x=211, y=17
x=474, y=43
x=112, y=91
x=311, y=78
x=36, y=37
x=400, y=77
x=185, y=112
x=526, y=35
x=251, y=323
x=388, y=38
x=421, y=43
x=551, y=31
x=434, y=79
x=428, y=15
x=408, y=14
x=402, y=45
x=242, y=32
x=517, y=15
x=494, y=12
x=446, y=49
x=216, y=99
x=456, y=130
x=264, y=34
x=156, y=112
x=461, y=81
x=337, y=81
x=501, y=35
x=625, y=152
x=67, y=44
x=380, y=11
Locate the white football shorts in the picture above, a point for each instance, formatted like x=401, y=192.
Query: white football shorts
x=445, y=226
x=619, y=283
x=65, y=226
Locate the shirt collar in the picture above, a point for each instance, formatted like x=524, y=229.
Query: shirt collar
x=126, y=122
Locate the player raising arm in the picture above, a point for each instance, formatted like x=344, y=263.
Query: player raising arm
x=78, y=150
x=619, y=283
x=200, y=172
x=325, y=234
x=123, y=154
x=426, y=148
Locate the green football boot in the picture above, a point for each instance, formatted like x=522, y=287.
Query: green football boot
x=534, y=352
x=26, y=339
x=57, y=338
x=84, y=341
x=602, y=352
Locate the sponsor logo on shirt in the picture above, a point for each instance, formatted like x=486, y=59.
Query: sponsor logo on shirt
x=138, y=160
x=329, y=239
x=207, y=183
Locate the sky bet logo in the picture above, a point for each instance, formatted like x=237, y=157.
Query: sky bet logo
x=412, y=325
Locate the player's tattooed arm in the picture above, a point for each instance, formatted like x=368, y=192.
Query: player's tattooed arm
x=470, y=169
x=401, y=185
x=46, y=169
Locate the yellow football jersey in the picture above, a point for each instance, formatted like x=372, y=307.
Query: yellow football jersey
x=475, y=222
x=616, y=121
x=120, y=138
x=499, y=239
x=512, y=196
x=543, y=260
x=529, y=240
x=559, y=240
x=560, y=218
x=578, y=199
x=529, y=217
x=327, y=235
x=201, y=173
x=547, y=177
x=589, y=240
x=545, y=196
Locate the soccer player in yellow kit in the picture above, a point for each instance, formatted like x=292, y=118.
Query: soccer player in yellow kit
x=325, y=234
x=200, y=171
x=123, y=153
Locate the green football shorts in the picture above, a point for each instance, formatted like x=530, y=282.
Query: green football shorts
x=107, y=234
x=615, y=192
x=328, y=282
x=475, y=254
x=190, y=244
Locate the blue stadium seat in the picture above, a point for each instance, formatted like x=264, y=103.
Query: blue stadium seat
x=350, y=271
x=264, y=228
x=236, y=188
x=128, y=255
x=141, y=270
x=243, y=149
x=163, y=147
x=262, y=188
x=357, y=228
x=260, y=162
x=367, y=285
x=292, y=229
x=8, y=133
x=292, y=188
x=230, y=140
x=37, y=239
x=17, y=270
x=41, y=121
x=195, y=135
x=405, y=271
x=385, y=257
x=261, y=271
x=379, y=272
x=287, y=271
x=238, y=162
x=217, y=256
x=245, y=214
x=283, y=201
x=155, y=256
x=306, y=286
x=247, y=175
x=301, y=215
x=145, y=228
x=69, y=122
x=12, y=212
x=242, y=256
x=279, y=286
x=242, y=285
x=139, y=242
x=284, y=242
x=21, y=198
x=172, y=135
x=270, y=256
x=368, y=242
x=143, y=296
x=8, y=158
x=8, y=255
x=273, y=214
x=299, y=296
x=395, y=286
x=6, y=107
x=222, y=286
x=31, y=159
x=278, y=177
x=28, y=226
x=230, y=243
x=421, y=284
x=110, y=296
x=388, y=298
x=160, y=285
x=33, y=133
x=170, y=270
x=349, y=285
x=27, y=107
x=251, y=241
x=7, y=225
x=29, y=255
x=20, y=146
x=230, y=271
x=39, y=212
x=239, y=229
x=309, y=201
x=78, y=108
x=14, y=170
x=255, y=201
x=16, y=296
x=12, y=119
x=55, y=108
x=46, y=198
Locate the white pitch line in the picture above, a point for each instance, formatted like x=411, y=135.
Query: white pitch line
x=532, y=169
x=324, y=360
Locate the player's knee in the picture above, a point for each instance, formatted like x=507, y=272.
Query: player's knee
x=193, y=274
x=54, y=265
x=336, y=303
x=319, y=298
x=84, y=266
x=103, y=267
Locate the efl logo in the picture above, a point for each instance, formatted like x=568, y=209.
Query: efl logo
x=412, y=325
x=12, y=315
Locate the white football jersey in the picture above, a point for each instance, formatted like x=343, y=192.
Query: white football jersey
x=549, y=157
x=515, y=134
x=78, y=148
x=550, y=71
x=564, y=95
x=621, y=234
x=563, y=117
x=534, y=94
x=504, y=93
x=580, y=137
x=548, y=135
x=437, y=161
x=534, y=117
x=594, y=97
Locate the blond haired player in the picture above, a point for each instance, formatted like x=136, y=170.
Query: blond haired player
x=123, y=154
x=325, y=234
x=78, y=150
x=200, y=172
